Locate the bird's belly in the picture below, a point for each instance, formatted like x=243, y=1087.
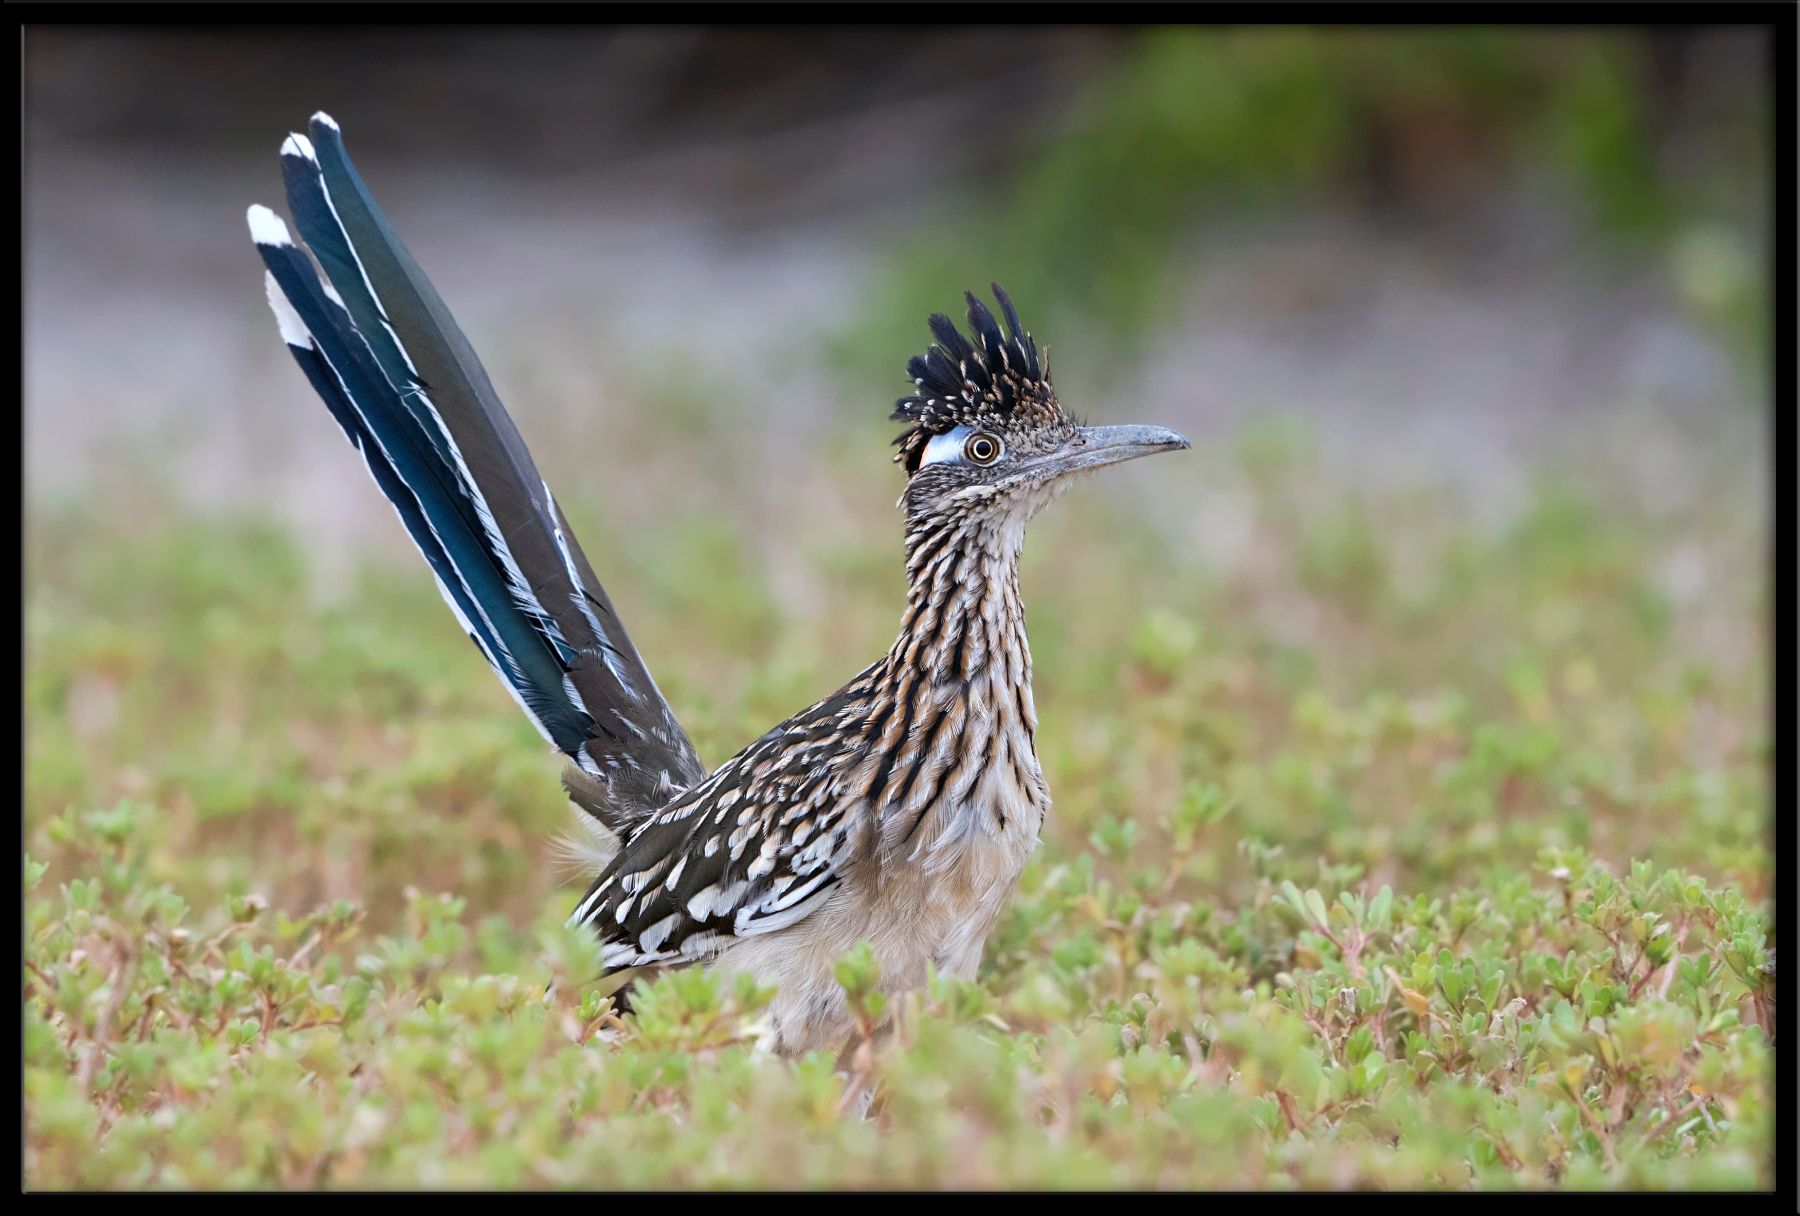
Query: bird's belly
x=935, y=912
x=954, y=898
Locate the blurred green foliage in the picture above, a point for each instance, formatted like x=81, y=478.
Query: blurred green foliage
x=1400, y=851
x=1418, y=127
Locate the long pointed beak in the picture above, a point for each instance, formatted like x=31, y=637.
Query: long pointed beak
x=1094, y=446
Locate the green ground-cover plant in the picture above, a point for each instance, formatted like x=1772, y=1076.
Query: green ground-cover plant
x=1401, y=849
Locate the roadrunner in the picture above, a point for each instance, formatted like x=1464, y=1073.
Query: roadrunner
x=899, y=810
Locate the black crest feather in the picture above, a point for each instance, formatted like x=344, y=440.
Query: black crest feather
x=995, y=380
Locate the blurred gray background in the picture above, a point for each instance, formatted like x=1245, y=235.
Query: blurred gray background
x=1459, y=257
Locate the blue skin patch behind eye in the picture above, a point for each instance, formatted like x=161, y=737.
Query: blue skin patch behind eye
x=948, y=446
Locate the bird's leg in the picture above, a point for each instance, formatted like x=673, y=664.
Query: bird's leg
x=857, y=1061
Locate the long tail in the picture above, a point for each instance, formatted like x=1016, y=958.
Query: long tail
x=383, y=352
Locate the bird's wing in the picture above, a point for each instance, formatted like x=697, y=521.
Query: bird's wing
x=381, y=348
x=754, y=848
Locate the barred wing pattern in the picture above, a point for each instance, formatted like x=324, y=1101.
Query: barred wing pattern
x=754, y=848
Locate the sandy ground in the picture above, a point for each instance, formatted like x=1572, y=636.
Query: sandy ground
x=1470, y=358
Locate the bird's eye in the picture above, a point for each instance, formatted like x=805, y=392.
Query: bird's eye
x=982, y=448
x=963, y=445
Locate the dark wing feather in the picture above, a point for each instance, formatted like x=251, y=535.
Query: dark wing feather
x=754, y=848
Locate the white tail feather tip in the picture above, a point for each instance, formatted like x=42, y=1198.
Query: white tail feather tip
x=326, y=119
x=266, y=228
x=297, y=144
x=293, y=329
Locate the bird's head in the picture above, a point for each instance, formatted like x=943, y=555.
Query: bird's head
x=989, y=442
